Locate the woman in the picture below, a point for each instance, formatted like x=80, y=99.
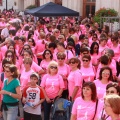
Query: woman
x=112, y=106
x=63, y=70
x=11, y=93
x=94, y=51
x=115, y=47
x=85, y=107
x=74, y=79
x=105, y=76
x=87, y=70
x=111, y=88
x=52, y=85
x=25, y=74
x=32, y=44
x=47, y=58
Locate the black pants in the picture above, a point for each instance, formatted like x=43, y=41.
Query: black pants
x=65, y=94
x=29, y=116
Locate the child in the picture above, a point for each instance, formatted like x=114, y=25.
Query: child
x=32, y=98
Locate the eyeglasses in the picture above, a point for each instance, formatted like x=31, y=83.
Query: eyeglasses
x=85, y=60
x=72, y=62
x=84, y=53
x=60, y=58
x=94, y=37
x=47, y=53
x=106, y=73
x=53, y=67
x=60, y=38
x=29, y=40
x=110, y=91
x=9, y=56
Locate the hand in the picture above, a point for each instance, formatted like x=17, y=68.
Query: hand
x=35, y=106
x=3, y=92
x=0, y=114
x=48, y=100
x=23, y=100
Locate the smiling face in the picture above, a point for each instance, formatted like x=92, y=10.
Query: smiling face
x=87, y=92
x=105, y=74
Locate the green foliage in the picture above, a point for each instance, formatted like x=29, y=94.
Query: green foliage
x=103, y=12
x=31, y=7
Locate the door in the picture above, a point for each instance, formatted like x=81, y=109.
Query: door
x=88, y=7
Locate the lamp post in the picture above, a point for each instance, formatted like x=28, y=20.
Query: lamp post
x=6, y=4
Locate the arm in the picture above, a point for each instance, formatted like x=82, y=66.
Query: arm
x=60, y=92
x=18, y=94
x=73, y=117
x=75, y=92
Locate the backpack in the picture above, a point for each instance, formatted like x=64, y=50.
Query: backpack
x=77, y=49
x=2, y=76
x=61, y=109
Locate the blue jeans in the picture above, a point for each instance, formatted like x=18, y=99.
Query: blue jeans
x=11, y=113
x=47, y=108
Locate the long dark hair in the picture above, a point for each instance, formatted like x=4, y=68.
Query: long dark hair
x=92, y=48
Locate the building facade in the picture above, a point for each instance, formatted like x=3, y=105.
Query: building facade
x=84, y=7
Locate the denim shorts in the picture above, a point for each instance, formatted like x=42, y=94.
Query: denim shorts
x=11, y=113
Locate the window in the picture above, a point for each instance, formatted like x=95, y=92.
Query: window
x=0, y=2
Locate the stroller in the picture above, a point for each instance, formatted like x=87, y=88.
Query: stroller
x=61, y=109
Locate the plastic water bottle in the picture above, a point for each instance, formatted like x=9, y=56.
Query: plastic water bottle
x=29, y=104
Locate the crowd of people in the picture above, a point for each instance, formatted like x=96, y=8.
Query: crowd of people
x=54, y=57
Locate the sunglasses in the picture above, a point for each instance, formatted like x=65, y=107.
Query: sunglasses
x=110, y=91
x=26, y=48
x=53, y=67
x=85, y=60
x=72, y=62
x=29, y=40
x=60, y=38
x=9, y=56
x=96, y=48
x=60, y=58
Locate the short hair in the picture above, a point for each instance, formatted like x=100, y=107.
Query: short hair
x=114, y=101
x=115, y=38
x=76, y=60
x=84, y=49
x=5, y=61
x=61, y=54
x=115, y=85
x=104, y=59
x=34, y=74
x=87, y=57
x=106, y=68
x=93, y=89
x=52, y=63
x=28, y=60
x=13, y=69
x=52, y=45
x=61, y=44
x=110, y=51
x=51, y=55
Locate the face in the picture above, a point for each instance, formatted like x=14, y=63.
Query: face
x=20, y=42
x=53, y=69
x=60, y=59
x=87, y=92
x=30, y=42
x=26, y=48
x=33, y=80
x=47, y=54
x=86, y=62
x=11, y=48
x=59, y=48
x=95, y=48
x=26, y=55
x=111, y=90
x=7, y=72
x=107, y=108
x=103, y=43
x=27, y=64
x=9, y=56
x=73, y=64
x=105, y=74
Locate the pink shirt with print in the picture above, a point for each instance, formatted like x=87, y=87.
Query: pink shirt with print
x=52, y=85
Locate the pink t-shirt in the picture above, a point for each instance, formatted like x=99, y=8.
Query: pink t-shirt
x=75, y=79
x=88, y=74
x=25, y=78
x=101, y=88
x=34, y=67
x=64, y=70
x=116, y=51
x=84, y=110
x=52, y=85
x=94, y=58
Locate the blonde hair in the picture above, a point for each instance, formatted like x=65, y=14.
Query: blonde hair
x=52, y=63
x=29, y=60
x=114, y=101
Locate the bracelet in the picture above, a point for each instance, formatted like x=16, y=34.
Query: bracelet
x=10, y=94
